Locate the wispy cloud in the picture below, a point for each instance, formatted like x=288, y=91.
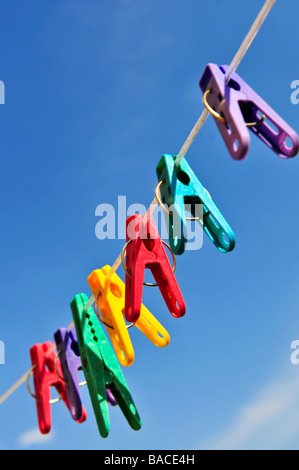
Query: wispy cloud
x=33, y=437
x=269, y=421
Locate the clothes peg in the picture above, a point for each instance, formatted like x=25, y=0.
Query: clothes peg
x=145, y=250
x=101, y=368
x=110, y=398
x=179, y=186
x=46, y=369
x=68, y=352
x=236, y=108
x=70, y=360
x=109, y=292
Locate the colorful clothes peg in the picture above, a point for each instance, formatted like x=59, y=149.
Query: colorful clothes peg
x=68, y=351
x=109, y=293
x=70, y=360
x=180, y=186
x=110, y=398
x=101, y=368
x=145, y=250
x=236, y=107
x=46, y=371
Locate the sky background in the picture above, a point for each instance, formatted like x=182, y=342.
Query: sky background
x=96, y=92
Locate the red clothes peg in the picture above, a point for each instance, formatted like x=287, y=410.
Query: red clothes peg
x=145, y=250
x=44, y=361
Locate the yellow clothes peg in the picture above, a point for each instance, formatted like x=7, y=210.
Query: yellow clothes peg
x=109, y=293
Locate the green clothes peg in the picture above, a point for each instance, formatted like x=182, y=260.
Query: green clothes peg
x=101, y=368
x=179, y=186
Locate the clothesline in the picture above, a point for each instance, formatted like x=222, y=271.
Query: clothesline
x=205, y=114
x=190, y=139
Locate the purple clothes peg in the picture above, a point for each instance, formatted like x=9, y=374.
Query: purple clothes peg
x=110, y=398
x=236, y=107
x=69, y=355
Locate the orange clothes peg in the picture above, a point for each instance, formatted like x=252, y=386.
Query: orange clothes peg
x=109, y=293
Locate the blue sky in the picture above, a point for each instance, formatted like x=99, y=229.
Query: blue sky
x=96, y=92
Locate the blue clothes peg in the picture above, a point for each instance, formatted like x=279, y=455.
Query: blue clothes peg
x=179, y=186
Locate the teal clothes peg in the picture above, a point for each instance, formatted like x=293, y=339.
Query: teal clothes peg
x=179, y=186
x=101, y=368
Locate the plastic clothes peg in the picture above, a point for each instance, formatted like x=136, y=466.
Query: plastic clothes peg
x=110, y=398
x=101, y=368
x=68, y=351
x=109, y=293
x=145, y=250
x=180, y=186
x=70, y=360
x=44, y=376
x=237, y=107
